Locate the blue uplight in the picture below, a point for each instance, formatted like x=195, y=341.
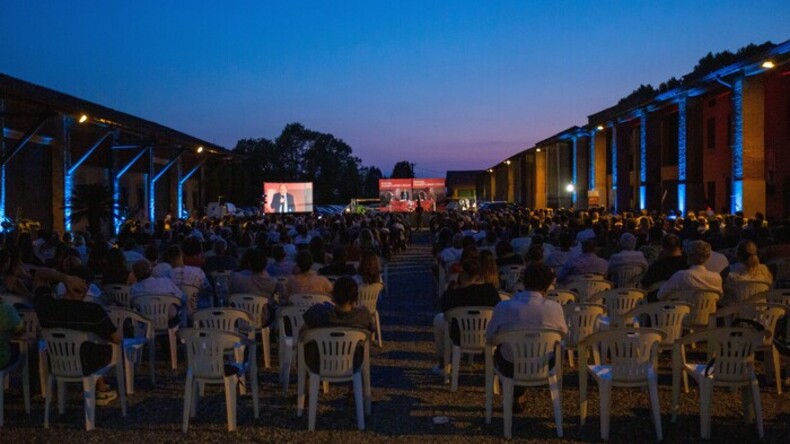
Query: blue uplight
x=682, y=198
x=737, y=196
x=614, y=164
x=573, y=156
x=737, y=146
x=68, y=189
x=682, y=138
x=643, y=148
x=642, y=197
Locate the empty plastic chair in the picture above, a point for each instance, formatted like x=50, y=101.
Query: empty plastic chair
x=20, y=363
x=63, y=350
x=703, y=305
x=289, y=323
x=537, y=360
x=304, y=301
x=336, y=348
x=157, y=308
x=368, y=298
x=627, y=275
x=618, y=302
x=587, y=286
x=510, y=275
x=582, y=320
x=624, y=357
x=561, y=297
x=736, y=292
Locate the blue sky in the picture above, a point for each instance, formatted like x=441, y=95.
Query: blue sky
x=447, y=85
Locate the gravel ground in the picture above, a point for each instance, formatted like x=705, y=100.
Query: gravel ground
x=406, y=398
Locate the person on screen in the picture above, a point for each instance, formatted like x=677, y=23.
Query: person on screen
x=283, y=202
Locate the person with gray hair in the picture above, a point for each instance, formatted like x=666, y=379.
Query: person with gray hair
x=697, y=277
x=148, y=284
x=627, y=254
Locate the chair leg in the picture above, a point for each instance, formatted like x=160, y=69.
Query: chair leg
x=301, y=375
x=173, y=350
x=285, y=368
x=230, y=401
x=43, y=369
x=507, y=406
x=456, y=366
x=758, y=407
x=777, y=368
x=152, y=359
x=325, y=386
x=705, y=395
x=556, y=401
x=187, y=402
x=378, y=329
x=267, y=347
x=655, y=406
x=605, y=390
x=2, y=411
x=256, y=401
x=195, y=397
x=89, y=393
x=570, y=358
x=61, y=398
x=582, y=396
x=315, y=381
x=25, y=386
x=359, y=400
x=121, y=378
x=746, y=400
x=128, y=370
x=366, y=385
x=47, y=399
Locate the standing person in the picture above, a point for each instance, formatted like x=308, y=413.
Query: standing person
x=73, y=312
x=283, y=202
x=526, y=309
x=419, y=210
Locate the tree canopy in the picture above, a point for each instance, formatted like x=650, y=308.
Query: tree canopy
x=403, y=170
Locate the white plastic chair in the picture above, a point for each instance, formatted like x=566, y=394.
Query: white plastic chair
x=733, y=350
x=157, y=309
x=768, y=316
x=510, y=275
x=627, y=275
x=582, y=320
x=624, y=357
x=190, y=298
x=220, y=280
x=618, y=302
x=288, y=341
x=703, y=305
x=368, y=298
x=22, y=363
x=736, y=292
x=532, y=352
x=31, y=340
x=562, y=297
x=206, y=350
x=132, y=348
x=63, y=350
x=336, y=349
x=472, y=323
x=781, y=268
x=304, y=301
x=587, y=286
x=117, y=294
x=781, y=297
x=256, y=306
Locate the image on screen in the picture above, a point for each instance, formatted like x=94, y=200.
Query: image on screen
x=288, y=197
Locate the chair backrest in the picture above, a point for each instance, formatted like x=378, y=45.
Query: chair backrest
x=63, y=349
x=369, y=295
x=627, y=275
x=206, y=350
x=532, y=351
x=510, y=275
x=733, y=350
x=585, y=288
x=221, y=279
x=294, y=317
x=665, y=316
x=336, y=347
x=773, y=296
x=703, y=305
x=119, y=316
x=16, y=300
x=304, y=301
x=190, y=295
x=736, y=292
x=766, y=314
x=253, y=304
x=472, y=323
x=156, y=307
x=630, y=352
x=781, y=268
x=226, y=319
x=619, y=301
x=117, y=294
x=30, y=324
x=562, y=297
x=582, y=320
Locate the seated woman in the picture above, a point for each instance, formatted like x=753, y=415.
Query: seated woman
x=369, y=271
x=281, y=266
x=115, y=271
x=306, y=280
x=343, y=313
x=748, y=268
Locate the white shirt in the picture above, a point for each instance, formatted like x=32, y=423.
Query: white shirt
x=521, y=245
x=697, y=277
x=526, y=309
x=717, y=262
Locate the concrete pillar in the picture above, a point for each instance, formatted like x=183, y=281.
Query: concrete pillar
x=695, y=126
x=641, y=161
x=682, y=166
x=511, y=181
x=540, y=179
x=600, y=167
x=652, y=162
x=621, y=179
x=582, y=170
x=753, y=146
x=61, y=160
x=492, y=185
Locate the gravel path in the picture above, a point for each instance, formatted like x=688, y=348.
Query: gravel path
x=406, y=398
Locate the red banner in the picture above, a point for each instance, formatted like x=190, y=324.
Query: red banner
x=402, y=195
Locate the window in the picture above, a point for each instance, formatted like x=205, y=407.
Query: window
x=711, y=133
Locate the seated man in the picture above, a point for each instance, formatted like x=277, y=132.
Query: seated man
x=72, y=312
x=221, y=261
x=697, y=276
x=586, y=263
x=472, y=291
x=627, y=255
x=527, y=309
x=670, y=261
x=338, y=267
x=149, y=285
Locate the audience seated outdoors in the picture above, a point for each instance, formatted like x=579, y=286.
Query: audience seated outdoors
x=586, y=263
x=696, y=277
x=305, y=279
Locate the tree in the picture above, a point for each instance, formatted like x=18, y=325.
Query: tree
x=402, y=170
x=370, y=181
x=94, y=202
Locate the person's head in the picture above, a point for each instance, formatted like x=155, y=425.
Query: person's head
x=627, y=242
x=503, y=248
x=278, y=252
x=115, y=259
x=470, y=272
x=655, y=234
x=670, y=245
x=369, y=267
x=345, y=292
x=129, y=244
x=192, y=247
x=220, y=247
x=565, y=241
x=79, y=289
x=588, y=246
x=488, y=268
x=141, y=269
x=535, y=253
x=304, y=261
x=152, y=253
x=283, y=188
x=174, y=256
x=747, y=254
x=458, y=241
x=538, y=277
x=317, y=249
x=339, y=256
x=469, y=252
x=698, y=252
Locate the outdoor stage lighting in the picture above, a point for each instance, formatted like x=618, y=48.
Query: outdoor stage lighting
x=599, y=128
x=768, y=64
x=83, y=118
x=507, y=162
x=199, y=149
x=570, y=188
x=537, y=150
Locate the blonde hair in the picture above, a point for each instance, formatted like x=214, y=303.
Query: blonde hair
x=747, y=254
x=488, y=268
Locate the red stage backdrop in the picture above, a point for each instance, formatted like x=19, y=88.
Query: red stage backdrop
x=395, y=194
x=298, y=197
x=429, y=192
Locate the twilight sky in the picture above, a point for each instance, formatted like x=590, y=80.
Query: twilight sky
x=447, y=85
